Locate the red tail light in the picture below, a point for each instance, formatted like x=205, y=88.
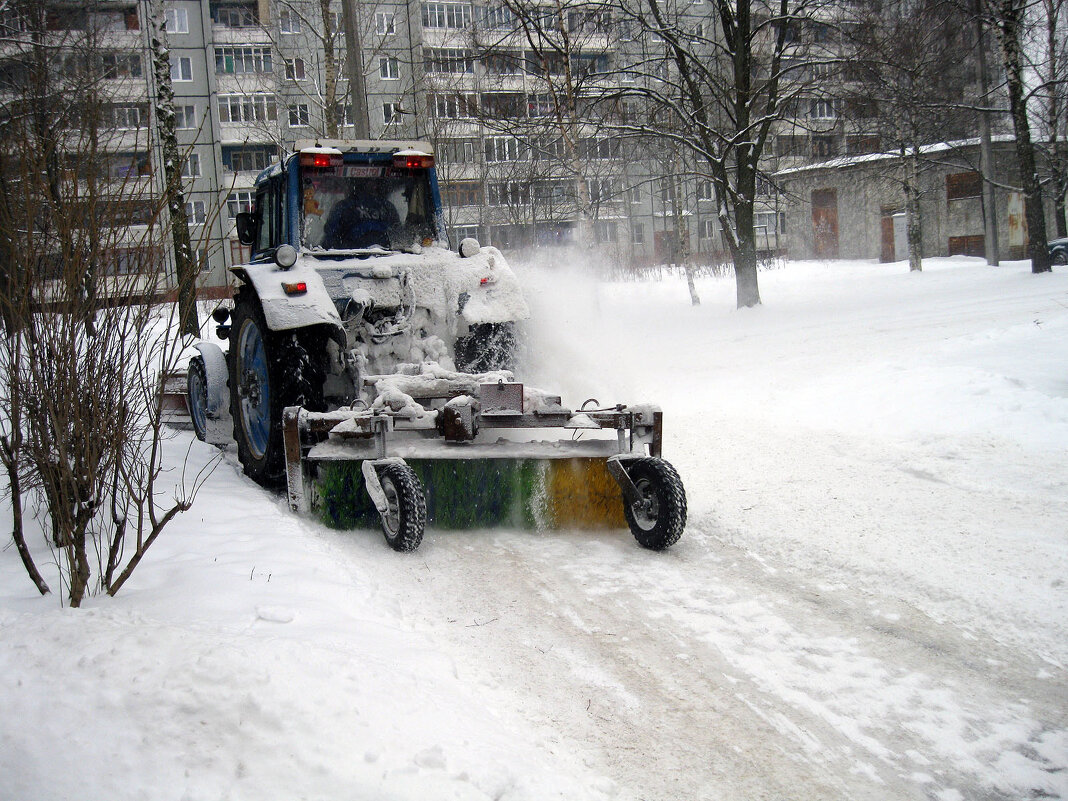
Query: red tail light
x=413, y=161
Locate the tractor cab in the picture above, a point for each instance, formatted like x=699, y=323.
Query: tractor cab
x=336, y=199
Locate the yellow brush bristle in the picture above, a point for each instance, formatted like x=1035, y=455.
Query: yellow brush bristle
x=580, y=493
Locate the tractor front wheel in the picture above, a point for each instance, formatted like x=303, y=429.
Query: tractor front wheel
x=197, y=396
x=658, y=517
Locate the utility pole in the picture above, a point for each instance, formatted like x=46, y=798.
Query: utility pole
x=986, y=160
x=354, y=57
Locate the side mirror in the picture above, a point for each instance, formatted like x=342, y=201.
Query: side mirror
x=246, y=228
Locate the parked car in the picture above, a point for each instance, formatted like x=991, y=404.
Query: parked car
x=1058, y=251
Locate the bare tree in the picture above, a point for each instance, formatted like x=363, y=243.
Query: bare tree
x=1051, y=97
x=1009, y=20
x=173, y=160
x=718, y=91
x=907, y=75
x=85, y=336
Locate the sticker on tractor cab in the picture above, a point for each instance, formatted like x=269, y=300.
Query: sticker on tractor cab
x=363, y=171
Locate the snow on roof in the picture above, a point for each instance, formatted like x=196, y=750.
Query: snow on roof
x=841, y=162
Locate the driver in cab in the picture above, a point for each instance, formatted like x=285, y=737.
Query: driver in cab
x=363, y=219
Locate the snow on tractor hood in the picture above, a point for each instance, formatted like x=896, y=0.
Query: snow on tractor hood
x=479, y=289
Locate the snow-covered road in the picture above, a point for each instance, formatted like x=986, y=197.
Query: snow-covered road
x=869, y=601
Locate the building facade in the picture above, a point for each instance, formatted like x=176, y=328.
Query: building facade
x=251, y=77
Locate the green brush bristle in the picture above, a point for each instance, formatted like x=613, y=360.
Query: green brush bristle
x=485, y=493
x=460, y=494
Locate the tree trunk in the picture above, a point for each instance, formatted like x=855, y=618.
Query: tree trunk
x=913, y=222
x=330, y=112
x=1060, y=188
x=10, y=448
x=1010, y=17
x=184, y=264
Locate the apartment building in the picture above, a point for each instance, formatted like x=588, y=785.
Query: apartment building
x=250, y=77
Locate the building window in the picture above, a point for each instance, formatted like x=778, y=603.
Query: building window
x=704, y=190
x=448, y=60
x=120, y=65
x=462, y=232
x=191, y=166
x=288, y=21
x=390, y=113
x=463, y=194
x=185, y=117
x=196, y=212
x=859, y=144
x=791, y=145
x=963, y=185
x=295, y=69
x=503, y=63
x=388, y=68
x=127, y=165
x=540, y=105
x=824, y=146
x=603, y=190
x=234, y=15
x=176, y=20
x=604, y=231
x=637, y=233
x=239, y=202
x=506, y=148
x=182, y=69
x=385, y=23
x=510, y=193
x=459, y=151
x=299, y=116
x=821, y=108
x=634, y=194
x=600, y=149
x=129, y=118
x=242, y=60
x=248, y=160
x=498, y=18
x=766, y=222
x=452, y=107
x=706, y=229
x=257, y=107
x=446, y=15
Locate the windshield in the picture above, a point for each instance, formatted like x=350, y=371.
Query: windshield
x=362, y=206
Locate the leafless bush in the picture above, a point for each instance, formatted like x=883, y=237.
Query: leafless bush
x=86, y=326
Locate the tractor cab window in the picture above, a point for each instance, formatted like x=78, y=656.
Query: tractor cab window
x=364, y=206
x=269, y=209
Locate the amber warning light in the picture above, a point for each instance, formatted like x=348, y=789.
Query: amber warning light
x=298, y=288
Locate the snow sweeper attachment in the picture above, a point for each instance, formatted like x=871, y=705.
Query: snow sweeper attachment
x=467, y=451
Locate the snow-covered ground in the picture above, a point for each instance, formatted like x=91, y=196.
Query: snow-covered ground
x=869, y=601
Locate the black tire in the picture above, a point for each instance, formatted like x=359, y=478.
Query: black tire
x=197, y=396
x=281, y=373
x=658, y=521
x=489, y=346
x=1059, y=257
x=405, y=521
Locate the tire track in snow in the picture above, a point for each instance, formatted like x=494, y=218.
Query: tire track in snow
x=704, y=673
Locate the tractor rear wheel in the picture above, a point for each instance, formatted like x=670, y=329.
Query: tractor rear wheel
x=254, y=401
x=657, y=519
x=268, y=372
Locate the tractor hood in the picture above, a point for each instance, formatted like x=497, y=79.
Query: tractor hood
x=478, y=289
